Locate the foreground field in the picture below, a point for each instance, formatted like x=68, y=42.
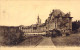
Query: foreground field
x=72, y=40
x=31, y=41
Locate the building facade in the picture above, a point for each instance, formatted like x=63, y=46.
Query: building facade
x=56, y=20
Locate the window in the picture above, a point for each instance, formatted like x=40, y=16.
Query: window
x=34, y=28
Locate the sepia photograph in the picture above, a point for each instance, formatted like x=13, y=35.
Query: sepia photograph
x=40, y=23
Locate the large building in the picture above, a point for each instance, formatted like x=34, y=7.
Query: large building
x=56, y=20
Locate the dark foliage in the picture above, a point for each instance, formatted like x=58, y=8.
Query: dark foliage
x=11, y=35
x=53, y=33
x=75, y=26
x=67, y=34
x=56, y=33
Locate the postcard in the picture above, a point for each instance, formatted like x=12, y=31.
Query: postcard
x=39, y=24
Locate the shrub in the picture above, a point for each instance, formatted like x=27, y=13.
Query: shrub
x=67, y=34
x=56, y=33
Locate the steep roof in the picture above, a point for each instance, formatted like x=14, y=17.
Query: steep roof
x=56, y=12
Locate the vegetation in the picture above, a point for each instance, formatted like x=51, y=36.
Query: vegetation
x=31, y=41
x=10, y=35
x=75, y=26
x=72, y=40
x=53, y=33
x=56, y=33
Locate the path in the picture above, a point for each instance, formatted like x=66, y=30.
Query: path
x=46, y=42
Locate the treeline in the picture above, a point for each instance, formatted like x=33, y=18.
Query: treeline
x=10, y=35
x=76, y=26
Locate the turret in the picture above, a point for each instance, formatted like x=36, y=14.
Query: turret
x=68, y=15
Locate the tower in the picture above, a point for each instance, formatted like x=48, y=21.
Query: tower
x=38, y=20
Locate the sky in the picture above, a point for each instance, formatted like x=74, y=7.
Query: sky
x=25, y=12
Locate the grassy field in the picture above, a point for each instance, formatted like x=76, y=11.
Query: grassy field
x=31, y=41
x=72, y=40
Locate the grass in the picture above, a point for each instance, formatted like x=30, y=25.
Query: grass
x=72, y=40
x=31, y=41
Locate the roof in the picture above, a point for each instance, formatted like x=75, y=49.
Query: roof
x=34, y=25
x=42, y=24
